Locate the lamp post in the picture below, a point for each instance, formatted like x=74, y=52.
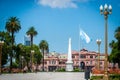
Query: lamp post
x=1, y=44
x=106, y=11
x=98, y=41
x=22, y=58
x=32, y=52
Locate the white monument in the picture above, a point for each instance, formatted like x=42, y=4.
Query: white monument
x=69, y=63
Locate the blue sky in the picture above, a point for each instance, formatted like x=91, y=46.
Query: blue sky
x=57, y=20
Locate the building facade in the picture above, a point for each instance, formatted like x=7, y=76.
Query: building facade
x=54, y=61
x=27, y=40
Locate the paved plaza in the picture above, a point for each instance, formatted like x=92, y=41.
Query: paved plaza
x=44, y=76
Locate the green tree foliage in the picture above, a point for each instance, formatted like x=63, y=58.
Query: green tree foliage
x=115, y=46
x=12, y=26
x=43, y=45
x=37, y=54
x=32, y=32
x=22, y=51
x=4, y=36
x=25, y=51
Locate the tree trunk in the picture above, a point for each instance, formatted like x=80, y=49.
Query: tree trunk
x=11, y=55
x=31, y=49
x=31, y=41
x=36, y=67
x=43, y=59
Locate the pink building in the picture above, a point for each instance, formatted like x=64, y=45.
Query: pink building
x=54, y=61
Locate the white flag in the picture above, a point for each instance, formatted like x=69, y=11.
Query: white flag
x=84, y=36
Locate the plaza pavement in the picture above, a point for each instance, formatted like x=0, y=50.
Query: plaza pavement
x=44, y=76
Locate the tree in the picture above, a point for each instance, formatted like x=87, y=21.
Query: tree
x=117, y=33
x=37, y=55
x=22, y=51
x=19, y=54
x=12, y=26
x=26, y=54
x=43, y=45
x=4, y=36
x=115, y=46
x=32, y=32
x=111, y=45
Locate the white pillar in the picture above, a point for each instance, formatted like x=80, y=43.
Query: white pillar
x=69, y=63
x=69, y=50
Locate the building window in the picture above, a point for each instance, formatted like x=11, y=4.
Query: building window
x=53, y=62
x=63, y=62
x=91, y=56
x=82, y=56
x=90, y=62
x=73, y=56
x=86, y=62
x=49, y=62
x=60, y=62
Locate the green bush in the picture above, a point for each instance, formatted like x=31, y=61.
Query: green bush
x=76, y=70
x=115, y=77
x=15, y=65
x=61, y=70
x=96, y=77
x=111, y=77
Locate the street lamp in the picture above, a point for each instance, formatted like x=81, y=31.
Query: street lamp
x=1, y=44
x=22, y=58
x=106, y=11
x=32, y=52
x=98, y=41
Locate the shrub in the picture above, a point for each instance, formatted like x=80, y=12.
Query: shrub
x=15, y=65
x=112, y=77
x=115, y=77
x=96, y=78
x=61, y=70
x=76, y=70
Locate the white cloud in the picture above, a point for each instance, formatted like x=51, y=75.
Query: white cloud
x=58, y=3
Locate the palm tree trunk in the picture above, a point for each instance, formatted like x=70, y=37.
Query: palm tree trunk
x=11, y=56
x=31, y=41
x=11, y=63
x=31, y=53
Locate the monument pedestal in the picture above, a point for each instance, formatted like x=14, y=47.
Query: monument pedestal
x=69, y=66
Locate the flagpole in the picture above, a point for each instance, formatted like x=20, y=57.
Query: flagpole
x=79, y=47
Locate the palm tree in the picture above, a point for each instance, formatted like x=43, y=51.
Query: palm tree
x=32, y=32
x=12, y=26
x=43, y=47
